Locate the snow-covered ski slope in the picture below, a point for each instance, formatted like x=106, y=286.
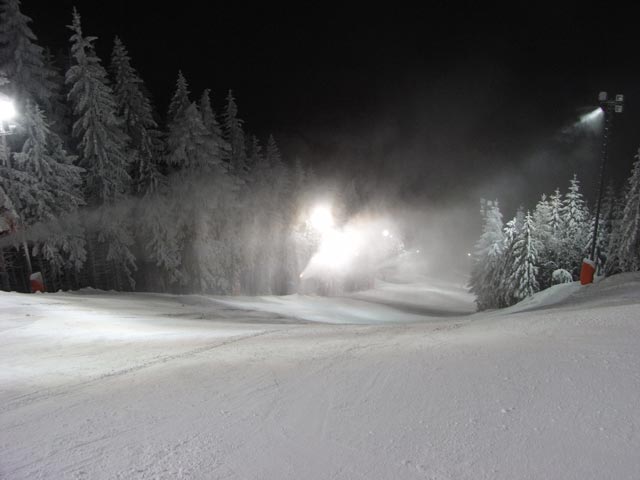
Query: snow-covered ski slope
x=101, y=385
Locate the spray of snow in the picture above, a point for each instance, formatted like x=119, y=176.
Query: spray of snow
x=356, y=248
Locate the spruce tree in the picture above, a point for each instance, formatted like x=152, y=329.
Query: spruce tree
x=56, y=179
x=191, y=148
x=613, y=264
x=21, y=59
x=575, y=231
x=629, y=236
x=97, y=130
x=525, y=258
x=180, y=100
x=208, y=115
x=211, y=124
x=102, y=152
x=542, y=219
x=604, y=227
x=555, y=202
x=487, y=258
x=234, y=134
x=134, y=107
x=506, y=288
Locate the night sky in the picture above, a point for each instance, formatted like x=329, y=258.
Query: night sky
x=435, y=103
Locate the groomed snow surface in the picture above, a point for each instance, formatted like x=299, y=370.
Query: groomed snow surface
x=394, y=383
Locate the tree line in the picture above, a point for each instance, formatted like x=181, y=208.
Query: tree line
x=96, y=191
x=546, y=245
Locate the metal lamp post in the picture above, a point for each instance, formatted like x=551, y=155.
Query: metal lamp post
x=609, y=107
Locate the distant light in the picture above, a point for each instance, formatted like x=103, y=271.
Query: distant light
x=468, y=254
x=417, y=251
x=321, y=218
x=385, y=233
x=7, y=110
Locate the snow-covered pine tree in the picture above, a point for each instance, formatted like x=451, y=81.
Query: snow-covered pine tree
x=613, y=265
x=267, y=221
x=201, y=191
x=180, y=100
x=57, y=187
x=506, y=289
x=191, y=146
x=97, y=130
x=45, y=187
x=555, y=202
x=487, y=258
x=234, y=134
x=274, y=159
x=629, y=236
x=134, y=107
x=211, y=123
x=255, y=159
x=605, y=226
x=59, y=114
x=281, y=189
x=254, y=209
x=191, y=149
x=542, y=219
x=302, y=244
x=102, y=152
x=525, y=258
x=575, y=221
x=7, y=217
x=161, y=238
x=22, y=60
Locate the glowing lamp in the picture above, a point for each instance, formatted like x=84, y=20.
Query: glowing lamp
x=321, y=219
x=7, y=110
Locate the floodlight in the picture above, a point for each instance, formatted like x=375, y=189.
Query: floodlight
x=7, y=110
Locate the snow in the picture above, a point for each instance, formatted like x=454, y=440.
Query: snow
x=105, y=385
x=424, y=299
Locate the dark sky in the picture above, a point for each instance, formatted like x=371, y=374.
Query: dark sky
x=442, y=101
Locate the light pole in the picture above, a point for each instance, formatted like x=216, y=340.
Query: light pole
x=609, y=107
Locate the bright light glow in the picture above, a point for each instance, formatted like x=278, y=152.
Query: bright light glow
x=338, y=249
x=351, y=250
x=321, y=219
x=7, y=110
x=592, y=117
x=468, y=254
